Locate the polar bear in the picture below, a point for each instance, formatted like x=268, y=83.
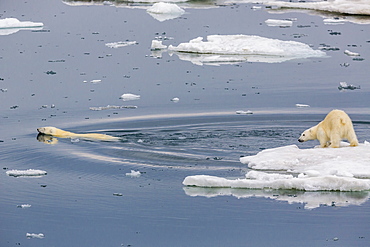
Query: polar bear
x=336, y=126
x=52, y=131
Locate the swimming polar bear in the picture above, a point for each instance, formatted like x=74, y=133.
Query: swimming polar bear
x=335, y=127
x=53, y=131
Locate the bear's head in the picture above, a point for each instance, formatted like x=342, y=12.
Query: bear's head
x=48, y=130
x=307, y=135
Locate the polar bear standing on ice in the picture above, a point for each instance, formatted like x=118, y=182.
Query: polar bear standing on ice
x=335, y=127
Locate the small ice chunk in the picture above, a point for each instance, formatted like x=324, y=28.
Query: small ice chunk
x=95, y=81
x=157, y=45
x=343, y=85
x=15, y=23
x=351, y=54
x=129, y=96
x=120, y=44
x=35, y=235
x=29, y=172
x=133, y=174
x=244, y=112
x=278, y=23
x=165, y=8
x=24, y=206
x=165, y=11
x=175, y=99
x=302, y=106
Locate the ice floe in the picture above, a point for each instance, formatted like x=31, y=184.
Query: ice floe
x=133, y=174
x=351, y=54
x=108, y=107
x=278, y=23
x=165, y=11
x=242, y=112
x=29, y=172
x=353, y=7
x=302, y=105
x=344, y=85
x=13, y=25
x=24, y=206
x=157, y=45
x=120, y=44
x=35, y=235
x=223, y=49
x=129, y=96
x=289, y=167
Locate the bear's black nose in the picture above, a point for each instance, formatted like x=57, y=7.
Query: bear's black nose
x=300, y=140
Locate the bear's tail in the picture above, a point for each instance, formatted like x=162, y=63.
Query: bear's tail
x=342, y=121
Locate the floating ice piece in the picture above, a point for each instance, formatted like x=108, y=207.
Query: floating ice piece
x=120, y=44
x=238, y=48
x=334, y=21
x=129, y=96
x=319, y=169
x=175, y=99
x=134, y=174
x=264, y=180
x=302, y=105
x=353, y=7
x=100, y=108
x=29, y=172
x=165, y=11
x=278, y=23
x=344, y=85
x=244, y=112
x=157, y=45
x=15, y=23
x=95, y=81
x=350, y=53
x=35, y=235
x=24, y=206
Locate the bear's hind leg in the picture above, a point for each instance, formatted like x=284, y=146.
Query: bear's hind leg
x=335, y=141
x=352, y=138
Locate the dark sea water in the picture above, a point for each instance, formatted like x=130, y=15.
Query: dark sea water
x=86, y=198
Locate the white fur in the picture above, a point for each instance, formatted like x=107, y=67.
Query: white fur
x=336, y=126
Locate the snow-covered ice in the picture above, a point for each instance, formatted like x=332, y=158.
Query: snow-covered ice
x=344, y=85
x=353, y=7
x=13, y=25
x=108, y=107
x=24, y=206
x=239, y=48
x=120, y=44
x=157, y=45
x=278, y=23
x=29, y=172
x=244, y=112
x=129, y=96
x=175, y=99
x=133, y=174
x=302, y=105
x=350, y=53
x=289, y=167
x=165, y=11
x=35, y=235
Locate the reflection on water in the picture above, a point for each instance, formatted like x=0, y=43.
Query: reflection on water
x=310, y=200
